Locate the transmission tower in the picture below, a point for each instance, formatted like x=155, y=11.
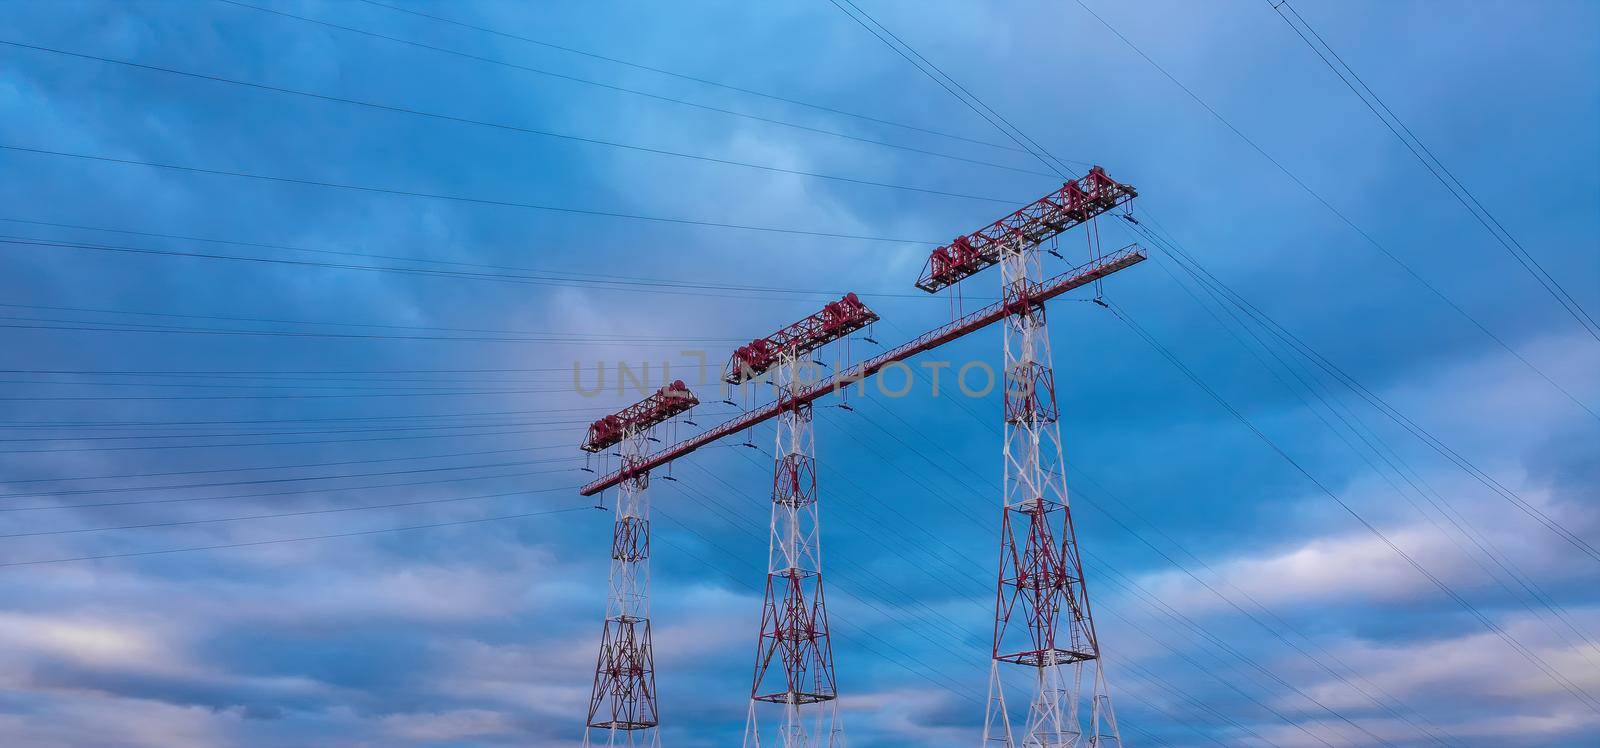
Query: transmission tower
x=1042, y=616
x=794, y=652
x=622, y=704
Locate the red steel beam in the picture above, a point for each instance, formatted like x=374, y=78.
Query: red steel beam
x=1082, y=275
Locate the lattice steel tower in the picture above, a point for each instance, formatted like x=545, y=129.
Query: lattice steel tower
x=1042, y=616
x=794, y=651
x=622, y=704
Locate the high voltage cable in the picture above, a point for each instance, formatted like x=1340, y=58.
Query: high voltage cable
x=1387, y=454
x=1440, y=172
x=635, y=92
x=663, y=286
x=308, y=538
x=964, y=100
x=543, y=276
x=536, y=411
x=758, y=527
x=120, y=326
x=280, y=444
x=958, y=461
x=249, y=380
x=934, y=492
x=91, y=378
x=1516, y=645
x=244, y=372
x=582, y=336
x=326, y=536
x=1554, y=676
x=268, y=481
x=406, y=416
x=1426, y=728
x=1206, y=641
x=692, y=78
x=300, y=466
x=1252, y=617
x=275, y=515
x=461, y=393
x=230, y=435
x=1400, y=419
x=363, y=387
x=21, y=323
x=939, y=494
x=1441, y=505
x=300, y=492
x=1488, y=623
x=454, y=198
x=501, y=125
x=1327, y=205
x=945, y=81
x=946, y=685
x=936, y=559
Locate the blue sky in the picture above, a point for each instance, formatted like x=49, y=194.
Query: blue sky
x=224, y=389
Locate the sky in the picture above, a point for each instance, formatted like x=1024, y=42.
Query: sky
x=283, y=279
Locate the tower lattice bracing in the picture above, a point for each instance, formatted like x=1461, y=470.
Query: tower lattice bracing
x=1042, y=621
x=794, y=654
x=622, y=707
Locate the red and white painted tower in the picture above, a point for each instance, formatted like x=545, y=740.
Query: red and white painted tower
x=1042, y=616
x=622, y=704
x=794, y=652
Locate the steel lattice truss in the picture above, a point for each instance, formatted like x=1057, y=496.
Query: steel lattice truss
x=836, y=320
x=656, y=409
x=1078, y=201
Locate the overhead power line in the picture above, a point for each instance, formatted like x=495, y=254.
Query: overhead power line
x=544, y=334
x=1431, y=162
x=693, y=78
x=499, y=125
x=1079, y=494
x=537, y=277
x=1514, y=643
x=1346, y=220
x=297, y=492
x=951, y=86
x=630, y=91
x=302, y=539
x=454, y=198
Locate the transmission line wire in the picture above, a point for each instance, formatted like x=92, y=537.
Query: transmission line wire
x=304, y=539
x=1440, y=172
x=694, y=79
x=498, y=125
x=452, y=198
x=1331, y=209
x=635, y=92
x=540, y=275
x=1513, y=642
